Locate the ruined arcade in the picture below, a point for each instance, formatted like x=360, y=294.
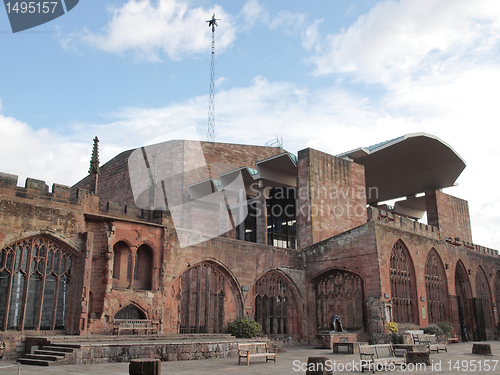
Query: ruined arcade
x=187, y=236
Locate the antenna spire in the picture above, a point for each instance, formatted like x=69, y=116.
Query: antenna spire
x=211, y=101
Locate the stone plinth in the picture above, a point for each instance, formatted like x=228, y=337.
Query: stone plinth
x=327, y=339
x=481, y=349
x=347, y=347
x=318, y=366
x=144, y=367
x=418, y=357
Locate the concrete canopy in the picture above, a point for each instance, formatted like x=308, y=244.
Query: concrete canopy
x=408, y=165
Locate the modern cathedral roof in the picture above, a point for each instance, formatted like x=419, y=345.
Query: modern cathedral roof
x=408, y=165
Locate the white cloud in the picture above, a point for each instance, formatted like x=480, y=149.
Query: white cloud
x=400, y=38
x=152, y=28
x=40, y=154
x=254, y=13
x=310, y=37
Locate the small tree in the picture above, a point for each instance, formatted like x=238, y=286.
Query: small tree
x=244, y=327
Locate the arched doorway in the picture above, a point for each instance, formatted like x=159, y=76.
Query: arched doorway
x=484, y=309
x=340, y=292
x=403, y=286
x=276, y=307
x=464, y=302
x=208, y=299
x=34, y=285
x=436, y=287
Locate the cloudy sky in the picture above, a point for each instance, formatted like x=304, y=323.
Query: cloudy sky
x=332, y=75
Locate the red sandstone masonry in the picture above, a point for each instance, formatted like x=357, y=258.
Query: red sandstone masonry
x=449, y=214
x=331, y=196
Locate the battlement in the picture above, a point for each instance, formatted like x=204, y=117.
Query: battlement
x=473, y=247
x=126, y=212
x=401, y=222
x=34, y=188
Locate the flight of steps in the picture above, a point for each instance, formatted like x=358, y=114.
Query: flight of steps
x=67, y=350
x=51, y=354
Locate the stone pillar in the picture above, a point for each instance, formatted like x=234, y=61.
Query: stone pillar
x=242, y=203
x=261, y=213
x=133, y=252
x=87, y=276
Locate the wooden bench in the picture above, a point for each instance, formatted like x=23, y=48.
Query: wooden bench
x=256, y=349
x=377, y=357
x=135, y=326
x=433, y=345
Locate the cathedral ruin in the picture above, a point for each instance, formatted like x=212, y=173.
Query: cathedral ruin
x=190, y=235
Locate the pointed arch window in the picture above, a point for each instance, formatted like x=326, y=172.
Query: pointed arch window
x=275, y=306
x=341, y=293
x=35, y=275
x=208, y=299
x=436, y=287
x=484, y=311
x=402, y=285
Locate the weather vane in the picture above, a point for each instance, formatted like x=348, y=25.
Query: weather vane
x=213, y=22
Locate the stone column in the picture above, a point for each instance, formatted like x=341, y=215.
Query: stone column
x=87, y=276
x=261, y=212
x=133, y=252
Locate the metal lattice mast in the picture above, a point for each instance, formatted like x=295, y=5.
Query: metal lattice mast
x=211, y=100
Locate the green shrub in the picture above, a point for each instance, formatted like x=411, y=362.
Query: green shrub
x=244, y=327
x=446, y=328
x=433, y=330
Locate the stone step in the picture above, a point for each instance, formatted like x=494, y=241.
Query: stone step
x=45, y=357
x=49, y=352
x=57, y=348
x=64, y=345
x=35, y=362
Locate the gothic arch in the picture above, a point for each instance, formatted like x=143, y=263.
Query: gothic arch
x=35, y=274
x=72, y=247
x=209, y=299
x=403, y=285
x=340, y=292
x=483, y=305
x=463, y=292
x=131, y=311
x=277, y=303
x=436, y=287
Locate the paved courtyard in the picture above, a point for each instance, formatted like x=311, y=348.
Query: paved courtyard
x=458, y=360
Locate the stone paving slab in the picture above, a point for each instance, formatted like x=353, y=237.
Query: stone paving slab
x=458, y=360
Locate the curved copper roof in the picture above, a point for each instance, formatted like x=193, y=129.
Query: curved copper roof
x=408, y=165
